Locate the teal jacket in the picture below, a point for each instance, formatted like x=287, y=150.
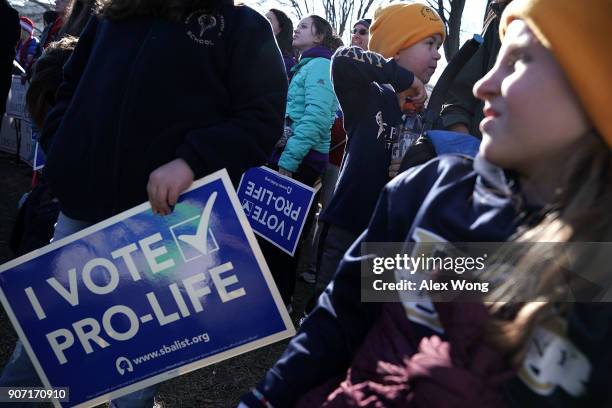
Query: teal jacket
x=311, y=106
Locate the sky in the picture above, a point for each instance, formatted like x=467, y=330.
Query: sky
x=471, y=23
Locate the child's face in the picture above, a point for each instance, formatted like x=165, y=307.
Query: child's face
x=532, y=116
x=421, y=58
x=304, y=36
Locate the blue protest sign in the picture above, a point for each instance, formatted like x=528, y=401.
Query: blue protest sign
x=39, y=157
x=141, y=298
x=275, y=205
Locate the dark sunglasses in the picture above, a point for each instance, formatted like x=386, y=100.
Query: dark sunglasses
x=361, y=31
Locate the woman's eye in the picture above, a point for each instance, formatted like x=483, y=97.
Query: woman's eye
x=518, y=57
x=511, y=61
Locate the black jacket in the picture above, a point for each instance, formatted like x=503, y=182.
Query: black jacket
x=460, y=105
x=140, y=92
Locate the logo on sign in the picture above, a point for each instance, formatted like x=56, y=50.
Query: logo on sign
x=247, y=206
x=193, y=245
x=123, y=364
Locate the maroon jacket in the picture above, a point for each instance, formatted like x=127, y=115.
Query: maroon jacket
x=393, y=368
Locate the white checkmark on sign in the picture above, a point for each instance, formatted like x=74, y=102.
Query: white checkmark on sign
x=200, y=240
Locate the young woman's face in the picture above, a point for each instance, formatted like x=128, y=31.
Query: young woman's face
x=421, y=58
x=273, y=22
x=360, y=36
x=304, y=35
x=532, y=116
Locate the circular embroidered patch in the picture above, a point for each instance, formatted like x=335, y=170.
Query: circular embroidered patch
x=203, y=27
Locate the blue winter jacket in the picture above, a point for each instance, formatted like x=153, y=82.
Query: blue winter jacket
x=311, y=108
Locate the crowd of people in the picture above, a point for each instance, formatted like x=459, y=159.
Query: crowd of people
x=201, y=85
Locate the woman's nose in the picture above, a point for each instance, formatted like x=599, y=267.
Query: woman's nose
x=487, y=86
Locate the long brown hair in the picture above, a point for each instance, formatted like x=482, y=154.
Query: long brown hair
x=169, y=9
x=323, y=28
x=47, y=77
x=285, y=37
x=581, y=214
x=79, y=13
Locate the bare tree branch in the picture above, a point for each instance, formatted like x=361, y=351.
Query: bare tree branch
x=341, y=14
x=45, y=4
x=432, y=4
x=364, y=7
x=451, y=45
x=440, y=9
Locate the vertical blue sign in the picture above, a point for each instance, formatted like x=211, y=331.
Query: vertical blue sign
x=144, y=298
x=275, y=205
x=39, y=156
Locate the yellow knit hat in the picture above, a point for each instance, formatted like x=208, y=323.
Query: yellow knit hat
x=401, y=25
x=575, y=32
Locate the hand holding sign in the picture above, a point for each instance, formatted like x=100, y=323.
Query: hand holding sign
x=285, y=172
x=166, y=183
x=412, y=97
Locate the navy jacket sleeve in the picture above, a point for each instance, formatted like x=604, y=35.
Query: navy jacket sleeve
x=333, y=332
x=72, y=74
x=258, y=84
x=353, y=70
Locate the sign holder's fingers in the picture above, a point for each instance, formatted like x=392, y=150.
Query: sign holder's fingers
x=173, y=194
x=162, y=199
x=151, y=190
